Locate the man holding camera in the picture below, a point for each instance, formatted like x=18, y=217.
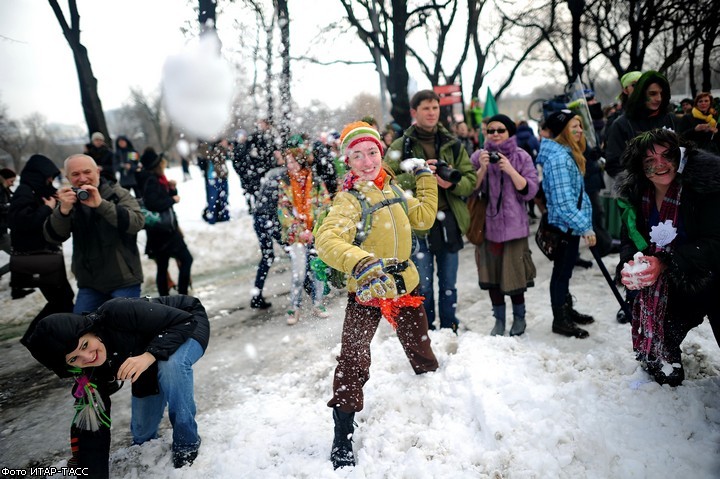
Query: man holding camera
x=456, y=177
x=104, y=220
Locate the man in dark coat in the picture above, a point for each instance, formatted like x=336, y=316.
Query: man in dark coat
x=104, y=227
x=153, y=343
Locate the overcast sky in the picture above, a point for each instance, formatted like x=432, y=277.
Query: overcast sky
x=128, y=42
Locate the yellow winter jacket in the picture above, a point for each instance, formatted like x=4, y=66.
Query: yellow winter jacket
x=390, y=235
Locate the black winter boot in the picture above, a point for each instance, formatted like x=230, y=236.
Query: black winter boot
x=258, y=302
x=341, y=454
x=576, y=317
x=563, y=323
x=518, y=325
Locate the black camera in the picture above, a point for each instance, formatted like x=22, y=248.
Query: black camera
x=494, y=157
x=81, y=194
x=444, y=171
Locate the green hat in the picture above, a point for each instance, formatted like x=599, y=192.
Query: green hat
x=629, y=78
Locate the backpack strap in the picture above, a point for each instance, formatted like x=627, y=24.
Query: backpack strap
x=367, y=210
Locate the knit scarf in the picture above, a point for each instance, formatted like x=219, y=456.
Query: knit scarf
x=708, y=118
x=390, y=308
x=650, y=307
x=351, y=178
x=162, y=179
x=301, y=185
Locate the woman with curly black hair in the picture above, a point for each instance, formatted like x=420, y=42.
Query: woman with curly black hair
x=670, y=201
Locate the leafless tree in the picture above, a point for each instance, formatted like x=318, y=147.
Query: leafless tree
x=151, y=119
x=92, y=106
x=283, y=19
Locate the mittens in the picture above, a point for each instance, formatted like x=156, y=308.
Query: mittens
x=415, y=166
x=372, y=280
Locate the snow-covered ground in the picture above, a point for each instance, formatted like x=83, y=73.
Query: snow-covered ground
x=537, y=406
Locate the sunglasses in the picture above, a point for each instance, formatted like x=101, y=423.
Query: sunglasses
x=491, y=131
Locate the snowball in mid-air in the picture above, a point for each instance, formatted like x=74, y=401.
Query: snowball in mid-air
x=198, y=89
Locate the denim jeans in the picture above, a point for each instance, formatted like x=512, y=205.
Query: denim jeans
x=88, y=299
x=302, y=276
x=175, y=377
x=447, y=268
x=216, y=192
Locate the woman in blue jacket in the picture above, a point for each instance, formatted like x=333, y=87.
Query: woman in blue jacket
x=569, y=210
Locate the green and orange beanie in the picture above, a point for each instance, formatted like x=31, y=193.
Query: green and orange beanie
x=356, y=132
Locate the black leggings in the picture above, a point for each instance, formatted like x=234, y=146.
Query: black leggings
x=184, y=259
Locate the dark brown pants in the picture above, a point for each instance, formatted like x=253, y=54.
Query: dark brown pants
x=353, y=369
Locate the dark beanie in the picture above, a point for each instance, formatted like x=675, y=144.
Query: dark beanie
x=54, y=337
x=558, y=120
x=149, y=159
x=505, y=120
x=7, y=173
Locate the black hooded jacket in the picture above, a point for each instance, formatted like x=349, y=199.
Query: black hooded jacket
x=694, y=264
x=28, y=212
x=124, y=158
x=637, y=119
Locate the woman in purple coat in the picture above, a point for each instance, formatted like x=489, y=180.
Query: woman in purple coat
x=508, y=179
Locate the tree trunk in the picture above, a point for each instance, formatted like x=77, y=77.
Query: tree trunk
x=92, y=106
x=269, y=97
x=281, y=7
x=576, y=9
x=398, y=76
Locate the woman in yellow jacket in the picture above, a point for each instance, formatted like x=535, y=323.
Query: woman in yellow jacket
x=382, y=280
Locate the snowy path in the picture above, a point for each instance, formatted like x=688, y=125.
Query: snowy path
x=538, y=406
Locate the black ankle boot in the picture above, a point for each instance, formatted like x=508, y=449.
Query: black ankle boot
x=576, y=317
x=258, y=302
x=17, y=293
x=563, y=324
x=342, y=452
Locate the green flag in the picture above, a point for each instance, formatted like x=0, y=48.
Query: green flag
x=489, y=110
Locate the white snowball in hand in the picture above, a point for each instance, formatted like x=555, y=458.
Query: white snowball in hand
x=638, y=266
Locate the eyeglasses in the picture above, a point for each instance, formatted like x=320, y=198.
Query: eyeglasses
x=491, y=131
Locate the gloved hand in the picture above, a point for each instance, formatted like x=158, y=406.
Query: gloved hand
x=414, y=166
x=372, y=280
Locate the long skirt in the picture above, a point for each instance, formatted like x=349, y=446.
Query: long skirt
x=507, y=266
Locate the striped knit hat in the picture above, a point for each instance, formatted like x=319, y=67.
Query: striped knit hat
x=356, y=132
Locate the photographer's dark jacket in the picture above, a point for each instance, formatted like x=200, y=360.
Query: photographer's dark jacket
x=105, y=252
x=457, y=158
x=28, y=211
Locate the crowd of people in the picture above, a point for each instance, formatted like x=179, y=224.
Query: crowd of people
x=322, y=201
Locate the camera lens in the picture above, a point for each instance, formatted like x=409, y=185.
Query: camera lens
x=447, y=173
x=494, y=157
x=81, y=194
